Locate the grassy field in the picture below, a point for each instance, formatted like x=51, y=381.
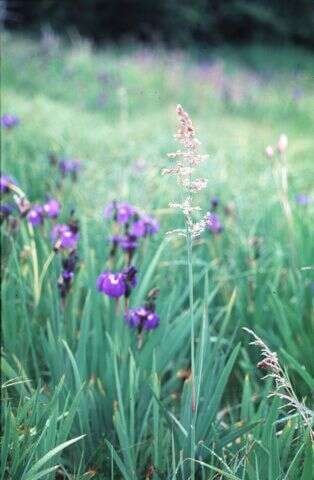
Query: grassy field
x=83, y=396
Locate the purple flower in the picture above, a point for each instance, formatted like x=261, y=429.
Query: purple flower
x=214, y=202
x=35, y=215
x=112, y=284
x=128, y=243
x=66, y=235
x=302, y=199
x=117, y=284
x=130, y=280
x=133, y=318
x=52, y=208
x=5, y=211
x=121, y=212
x=213, y=223
x=142, y=317
x=5, y=182
x=138, y=228
x=67, y=165
x=152, y=321
x=144, y=226
x=9, y=121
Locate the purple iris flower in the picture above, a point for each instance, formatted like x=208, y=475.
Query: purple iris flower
x=121, y=212
x=66, y=277
x=302, y=199
x=130, y=279
x=35, y=215
x=52, y=208
x=144, y=226
x=142, y=317
x=213, y=223
x=112, y=284
x=128, y=243
x=138, y=228
x=152, y=321
x=66, y=235
x=5, y=211
x=9, y=121
x=68, y=165
x=117, y=284
x=133, y=318
x=5, y=182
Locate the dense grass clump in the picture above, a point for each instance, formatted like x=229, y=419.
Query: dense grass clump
x=102, y=376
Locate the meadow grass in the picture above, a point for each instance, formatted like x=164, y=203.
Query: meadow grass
x=79, y=398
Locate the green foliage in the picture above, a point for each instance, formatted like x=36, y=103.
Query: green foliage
x=79, y=397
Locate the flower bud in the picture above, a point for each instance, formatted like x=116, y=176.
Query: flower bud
x=282, y=143
x=269, y=151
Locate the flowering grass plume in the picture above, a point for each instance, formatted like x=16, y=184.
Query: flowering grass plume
x=283, y=387
x=187, y=161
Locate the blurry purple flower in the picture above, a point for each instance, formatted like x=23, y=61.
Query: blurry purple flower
x=66, y=278
x=128, y=243
x=130, y=280
x=144, y=226
x=121, y=212
x=5, y=182
x=214, y=202
x=302, y=199
x=9, y=121
x=133, y=317
x=70, y=166
x=138, y=228
x=52, y=208
x=5, y=211
x=66, y=235
x=35, y=215
x=152, y=321
x=142, y=317
x=112, y=284
x=213, y=223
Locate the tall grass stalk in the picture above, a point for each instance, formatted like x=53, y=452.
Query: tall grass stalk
x=186, y=162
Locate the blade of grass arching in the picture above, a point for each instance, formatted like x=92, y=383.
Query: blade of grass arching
x=293, y=472
x=119, y=462
x=45, y=473
x=235, y=433
x=66, y=424
x=307, y=377
x=229, y=476
x=24, y=387
x=146, y=280
x=40, y=463
x=76, y=373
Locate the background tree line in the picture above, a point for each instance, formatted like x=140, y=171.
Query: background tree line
x=175, y=22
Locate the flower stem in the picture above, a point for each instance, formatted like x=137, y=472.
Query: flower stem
x=191, y=304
